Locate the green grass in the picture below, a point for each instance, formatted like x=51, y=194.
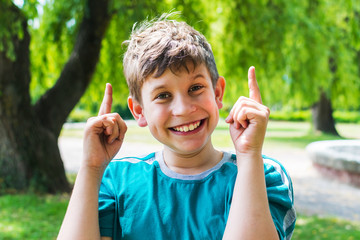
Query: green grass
x=28, y=216
x=318, y=228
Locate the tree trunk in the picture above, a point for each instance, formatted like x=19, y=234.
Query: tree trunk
x=29, y=153
x=322, y=115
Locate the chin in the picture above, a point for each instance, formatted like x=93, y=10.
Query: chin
x=190, y=148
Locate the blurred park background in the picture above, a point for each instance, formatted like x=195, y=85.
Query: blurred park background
x=56, y=56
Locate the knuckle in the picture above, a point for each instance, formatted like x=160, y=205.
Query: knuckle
x=241, y=113
x=267, y=112
x=89, y=120
x=242, y=98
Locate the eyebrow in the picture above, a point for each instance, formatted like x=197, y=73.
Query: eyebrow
x=199, y=75
x=158, y=88
x=164, y=86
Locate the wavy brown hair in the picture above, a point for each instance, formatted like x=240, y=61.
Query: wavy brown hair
x=161, y=44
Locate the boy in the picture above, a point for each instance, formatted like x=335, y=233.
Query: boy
x=189, y=190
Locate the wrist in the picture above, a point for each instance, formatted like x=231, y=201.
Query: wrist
x=93, y=172
x=249, y=156
x=249, y=153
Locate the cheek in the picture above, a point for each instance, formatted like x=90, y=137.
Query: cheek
x=212, y=107
x=156, y=115
x=210, y=103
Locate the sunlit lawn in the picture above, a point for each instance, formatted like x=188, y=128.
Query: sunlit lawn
x=295, y=134
x=30, y=216
x=292, y=134
x=39, y=217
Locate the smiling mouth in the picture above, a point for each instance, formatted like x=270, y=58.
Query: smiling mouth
x=187, y=127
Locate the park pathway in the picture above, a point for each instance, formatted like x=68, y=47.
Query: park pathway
x=313, y=193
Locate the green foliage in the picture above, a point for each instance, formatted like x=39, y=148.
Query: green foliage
x=30, y=8
x=347, y=117
x=10, y=26
x=298, y=47
x=305, y=115
x=81, y=115
x=290, y=116
x=52, y=42
x=78, y=115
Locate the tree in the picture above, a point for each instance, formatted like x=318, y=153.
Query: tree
x=329, y=65
x=29, y=154
x=53, y=47
x=306, y=50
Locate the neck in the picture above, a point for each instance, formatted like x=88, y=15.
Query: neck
x=192, y=163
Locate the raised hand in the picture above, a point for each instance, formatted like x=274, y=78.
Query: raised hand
x=248, y=120
x=104, y=134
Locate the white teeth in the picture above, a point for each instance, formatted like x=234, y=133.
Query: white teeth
x=186, y=128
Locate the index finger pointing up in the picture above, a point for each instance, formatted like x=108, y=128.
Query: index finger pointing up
x=107, y=100
x=254, y=91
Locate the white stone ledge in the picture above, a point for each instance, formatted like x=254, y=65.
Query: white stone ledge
x=343, y=155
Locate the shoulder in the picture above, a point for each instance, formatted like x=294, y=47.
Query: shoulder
x=276, y=175
x=127, y=166
x=123, y=171
x=278, y=181
x=147, y=158
x=130, y=161
x=281, y=196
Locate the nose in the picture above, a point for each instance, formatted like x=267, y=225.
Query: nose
x=183, y=105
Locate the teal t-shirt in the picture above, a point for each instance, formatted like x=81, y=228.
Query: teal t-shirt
x=141, y=198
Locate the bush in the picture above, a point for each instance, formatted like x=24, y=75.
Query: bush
x=124, y=111
x=347, y=117
x=305, y=115
x=290, y=116
x=79, y=115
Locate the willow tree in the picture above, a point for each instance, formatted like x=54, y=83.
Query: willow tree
x=324, y=69
x=42, y=80
x=29, y=154
x=306, y=53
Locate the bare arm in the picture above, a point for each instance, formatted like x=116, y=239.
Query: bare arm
x=249, y=216
x=103, y=137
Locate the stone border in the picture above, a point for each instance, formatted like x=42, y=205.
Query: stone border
x=338, y=159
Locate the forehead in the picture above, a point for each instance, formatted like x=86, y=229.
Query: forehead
x=183, y=73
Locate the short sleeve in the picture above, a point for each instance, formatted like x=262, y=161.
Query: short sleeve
x=107, y=206
x=281, y=197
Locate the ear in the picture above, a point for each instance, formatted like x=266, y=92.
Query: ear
x=137, y=111
x=219, y=91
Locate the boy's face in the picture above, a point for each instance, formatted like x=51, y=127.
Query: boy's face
x=181, y=109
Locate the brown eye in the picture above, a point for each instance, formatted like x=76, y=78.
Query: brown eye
x=163, y=96
x=195, y=88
